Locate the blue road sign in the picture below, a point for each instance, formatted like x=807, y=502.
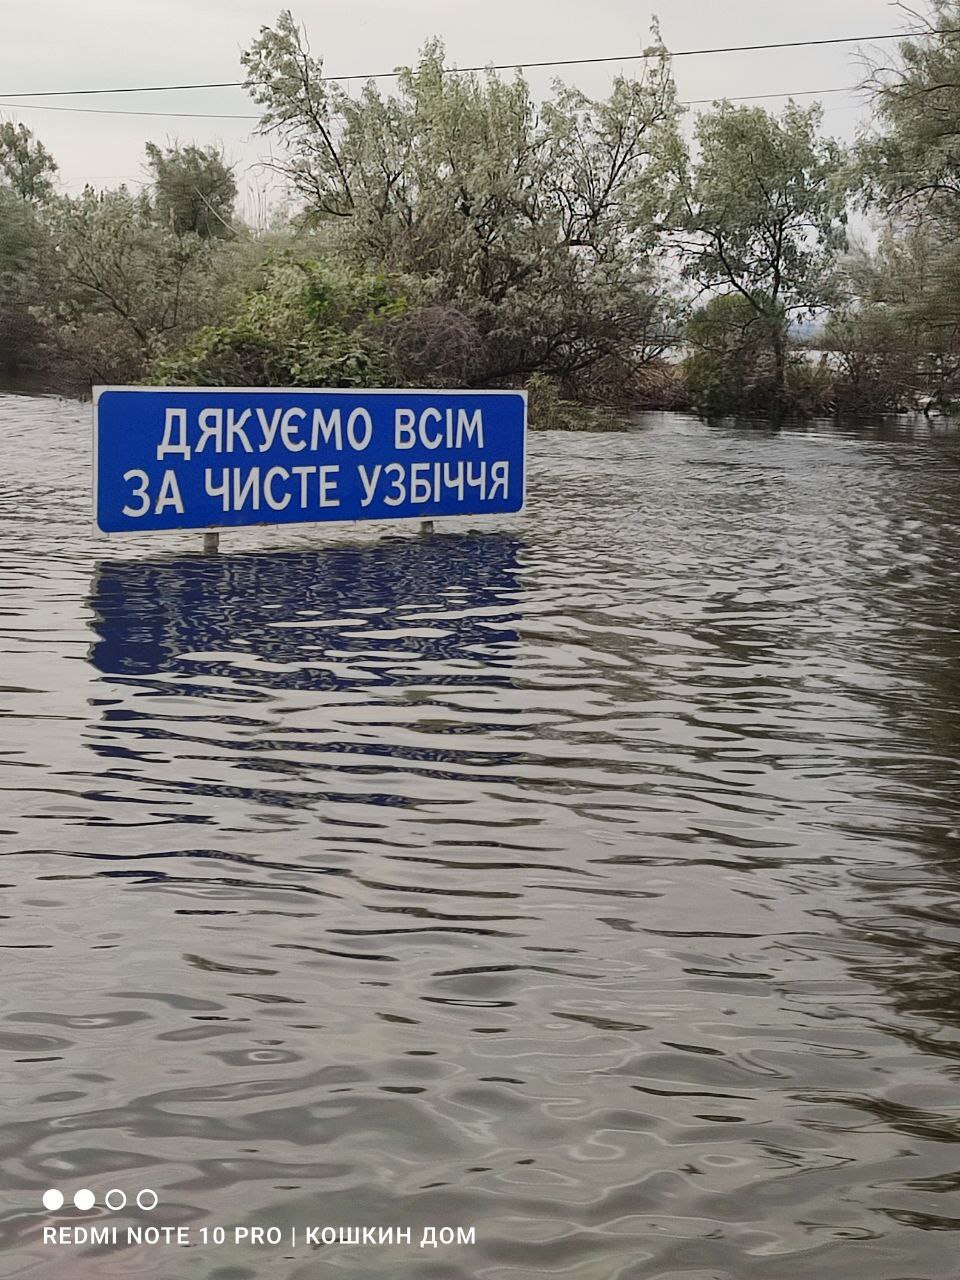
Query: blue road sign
x=207, y=458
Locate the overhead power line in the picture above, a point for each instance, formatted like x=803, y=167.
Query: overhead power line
x=756, y=97
x=216, y=115
x=506, y=66
x=116, y=111
x=143, y=88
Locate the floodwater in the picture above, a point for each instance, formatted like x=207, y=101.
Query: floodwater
x=589, y=878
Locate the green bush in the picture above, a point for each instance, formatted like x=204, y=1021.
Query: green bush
x=811, y=390
x=730, y=368
x=549, y=411
x=309, y=324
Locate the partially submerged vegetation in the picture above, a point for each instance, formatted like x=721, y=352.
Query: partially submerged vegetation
x=457, y=233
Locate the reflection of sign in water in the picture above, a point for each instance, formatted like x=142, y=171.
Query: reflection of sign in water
x=371, y=624
x=202, y=458
x=286, y=608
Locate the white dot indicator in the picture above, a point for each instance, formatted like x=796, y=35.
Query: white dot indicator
x=115, y=1199
x=53, y=1199
x=147, y=1199
x=84, y=1199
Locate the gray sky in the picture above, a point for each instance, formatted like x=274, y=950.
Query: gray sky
x=73, y=44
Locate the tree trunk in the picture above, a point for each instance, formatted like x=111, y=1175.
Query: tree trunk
x=780, y=361
x=779, y=370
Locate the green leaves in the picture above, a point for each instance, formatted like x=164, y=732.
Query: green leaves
x=194, y=190
x=912, y=166
x=26, y=165
x=533, y=223
x=908, y=168
x=310, y=324
x=760, y=211
x=757, y=217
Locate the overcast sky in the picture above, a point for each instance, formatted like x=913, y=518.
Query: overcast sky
x=74, y=44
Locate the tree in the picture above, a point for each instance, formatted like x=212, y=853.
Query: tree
x=758, y=212
x=25, y=164
x=532, y=223
x=910, y=166
x=904, y=298
x=194, y=190
x=26, y=173
x=121, y=286
x=874, y=359
x=909, y=169
x=20, y=255
x=730, y=368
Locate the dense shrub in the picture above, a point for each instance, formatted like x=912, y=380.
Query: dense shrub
x=730, y=367
x=308, y=324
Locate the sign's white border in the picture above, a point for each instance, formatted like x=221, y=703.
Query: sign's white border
x=327, y=391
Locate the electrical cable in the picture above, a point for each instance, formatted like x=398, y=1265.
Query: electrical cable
x=215, y=115
x=511, y=66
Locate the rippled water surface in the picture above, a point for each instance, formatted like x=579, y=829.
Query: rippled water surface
x=591, y=877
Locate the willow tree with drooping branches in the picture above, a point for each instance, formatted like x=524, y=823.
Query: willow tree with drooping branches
x=759, y=215
x=534, y=223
